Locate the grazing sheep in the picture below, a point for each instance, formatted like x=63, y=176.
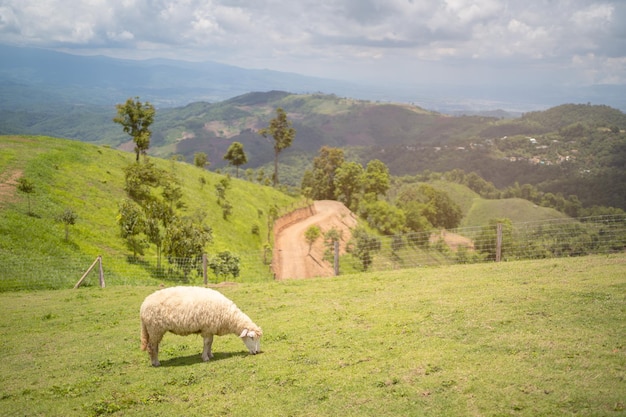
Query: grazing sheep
x=194, y=310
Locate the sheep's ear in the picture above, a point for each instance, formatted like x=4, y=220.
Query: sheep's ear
x=244, y=333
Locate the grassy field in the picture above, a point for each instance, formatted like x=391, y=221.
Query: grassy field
x=541, y=338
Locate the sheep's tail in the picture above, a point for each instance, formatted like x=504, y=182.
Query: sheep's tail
x=145, y=336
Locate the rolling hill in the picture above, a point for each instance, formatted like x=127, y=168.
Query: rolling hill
x=572, y=149
x=89, y=180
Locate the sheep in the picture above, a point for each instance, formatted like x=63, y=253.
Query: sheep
x=194, y=310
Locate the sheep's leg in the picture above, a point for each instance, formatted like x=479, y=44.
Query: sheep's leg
x=206, y=353
x=153, y=350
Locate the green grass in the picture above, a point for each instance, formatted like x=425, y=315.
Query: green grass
x=89, y=179
x=516, y=209
x=542, y=338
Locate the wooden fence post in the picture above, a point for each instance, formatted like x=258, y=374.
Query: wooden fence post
x=336, y=265
x=204, y=269
x=101, y=272
x=499, y=242
x=101, y=275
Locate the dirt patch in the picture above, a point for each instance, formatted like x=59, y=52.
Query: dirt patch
x=8, y=186
x=453, y=240
x=292, y=258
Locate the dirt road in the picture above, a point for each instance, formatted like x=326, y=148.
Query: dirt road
x=295, y=261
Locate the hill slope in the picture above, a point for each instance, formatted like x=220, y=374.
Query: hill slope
x=89, y=180
x=572, y=149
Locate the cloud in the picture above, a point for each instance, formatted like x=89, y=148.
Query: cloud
x=342, y=38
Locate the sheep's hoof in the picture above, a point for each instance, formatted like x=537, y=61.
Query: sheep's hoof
x=155, y=364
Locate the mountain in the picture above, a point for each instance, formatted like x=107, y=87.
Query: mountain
x=30, y=77
x=573, y=149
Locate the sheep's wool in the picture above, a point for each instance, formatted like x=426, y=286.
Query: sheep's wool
x=193, y=310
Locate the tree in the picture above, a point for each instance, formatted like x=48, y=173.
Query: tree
x=311, y=235
x=376, y=178
x=200, y=159
x=331, y=237
x=319, y=183
x=26, y=186
x=158, y=215
x=140, y=178
x=132, y=223
x=280, y=129
x=348, y=183
x=236, y=156
x=363, y=246
x=184, y=243
x=68, y=218
x=384, y=217
x=136, y=118
x=224, y=264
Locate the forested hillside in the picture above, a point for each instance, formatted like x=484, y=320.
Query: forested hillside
x=573, y=149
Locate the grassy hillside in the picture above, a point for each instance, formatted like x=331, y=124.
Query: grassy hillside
x=89, y=180
x=516, y=209
x=546, y=340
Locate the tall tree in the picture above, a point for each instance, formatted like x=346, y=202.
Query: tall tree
x=236, y=156
x=136, y=118
x=283, y=133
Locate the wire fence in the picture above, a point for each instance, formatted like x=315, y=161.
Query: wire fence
x=503, y=242
x=494, y=242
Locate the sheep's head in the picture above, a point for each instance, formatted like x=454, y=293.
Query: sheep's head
x=252, y=340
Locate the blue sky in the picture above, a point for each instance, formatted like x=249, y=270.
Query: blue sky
x=395, y=42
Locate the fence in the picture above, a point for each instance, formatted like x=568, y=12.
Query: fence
x=531, y=240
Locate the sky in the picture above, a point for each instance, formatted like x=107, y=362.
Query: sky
x=452, y=42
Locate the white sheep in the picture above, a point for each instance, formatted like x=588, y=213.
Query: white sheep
x=194, y=310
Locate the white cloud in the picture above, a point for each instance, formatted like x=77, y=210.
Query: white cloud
x=343, y=38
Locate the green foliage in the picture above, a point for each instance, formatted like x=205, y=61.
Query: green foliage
x=225, y=264
x=425, y=202
x=376, y=178
x=132, y=224
x=363, y=246
x=348, y=182
x=319, y=184
x=311, y=234
x=141, y=178
x=68, y=218
x=236, y=156
x=201, y=160
x=282, y=132
x=136, y=118
x=185, y=240
x=26, y=186
x=331, y=236
x=384, y=217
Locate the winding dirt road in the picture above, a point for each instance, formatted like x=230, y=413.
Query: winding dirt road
x=295, y=261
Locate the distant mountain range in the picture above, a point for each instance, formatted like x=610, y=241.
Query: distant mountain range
x=31, y=78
